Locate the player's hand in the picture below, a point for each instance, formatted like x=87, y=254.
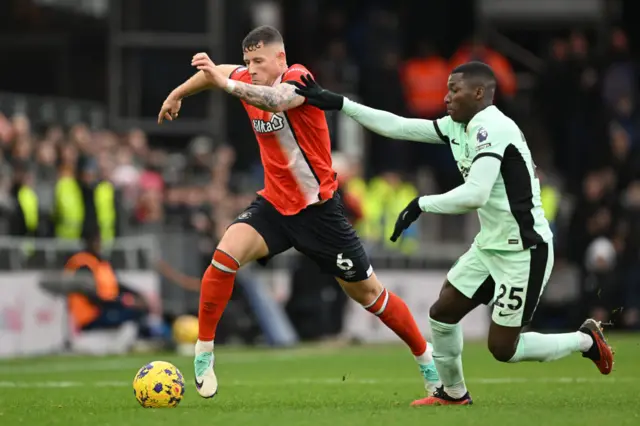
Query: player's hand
x=406, y=217
x=202, y=62
x=170, y=108
x=317, y=96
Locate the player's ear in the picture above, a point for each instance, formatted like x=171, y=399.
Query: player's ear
x=480, y=92
x=281, y=57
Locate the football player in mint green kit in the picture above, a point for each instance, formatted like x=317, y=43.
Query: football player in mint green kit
x=510, y=260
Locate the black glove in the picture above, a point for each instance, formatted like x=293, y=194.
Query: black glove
x=406, y=217
x=317, y=96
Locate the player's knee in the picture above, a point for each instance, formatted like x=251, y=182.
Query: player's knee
x=243, y=243
x=364, y=292
x=444, y=309
x=436, y=312
x=502, y=350
x=440, y=312
x=235, y=250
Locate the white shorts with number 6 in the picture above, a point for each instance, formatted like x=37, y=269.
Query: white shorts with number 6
x=511, y=281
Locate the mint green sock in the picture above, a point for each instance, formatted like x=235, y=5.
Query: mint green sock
x=447, y=355
x=549, y=347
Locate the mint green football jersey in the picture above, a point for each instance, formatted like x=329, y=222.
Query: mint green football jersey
x=513, y=218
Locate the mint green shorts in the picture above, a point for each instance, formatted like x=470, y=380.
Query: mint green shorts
x=510, y=281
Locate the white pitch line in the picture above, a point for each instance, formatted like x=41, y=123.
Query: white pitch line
x=330, y=381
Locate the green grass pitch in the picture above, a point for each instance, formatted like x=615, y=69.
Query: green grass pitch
x=366, y=385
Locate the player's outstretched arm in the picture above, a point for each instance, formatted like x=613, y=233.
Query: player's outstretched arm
x=472, y=194
x=199, y=82
x=381, y=122
x=195, y=84
x=391, y=125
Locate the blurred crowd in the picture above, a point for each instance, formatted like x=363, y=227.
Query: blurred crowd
x=588, y=104
x=587, y=122
x=154, y=190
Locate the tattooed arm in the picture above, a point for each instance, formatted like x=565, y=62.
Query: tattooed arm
x=275, y=99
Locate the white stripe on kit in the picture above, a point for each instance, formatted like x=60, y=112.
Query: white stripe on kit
x=300, y=169
x=223, y=268
x=384, y=292
x=384, y=303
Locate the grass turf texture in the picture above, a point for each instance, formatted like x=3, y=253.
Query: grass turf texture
x=315, y=386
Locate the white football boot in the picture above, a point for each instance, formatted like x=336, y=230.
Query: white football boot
x=206, y=381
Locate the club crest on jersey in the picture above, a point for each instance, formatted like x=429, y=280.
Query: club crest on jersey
x=482, y=135
x=276, y=123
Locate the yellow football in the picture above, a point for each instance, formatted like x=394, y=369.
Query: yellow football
x=158, y=384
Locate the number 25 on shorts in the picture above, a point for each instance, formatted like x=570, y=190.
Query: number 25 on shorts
x=510, y=298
